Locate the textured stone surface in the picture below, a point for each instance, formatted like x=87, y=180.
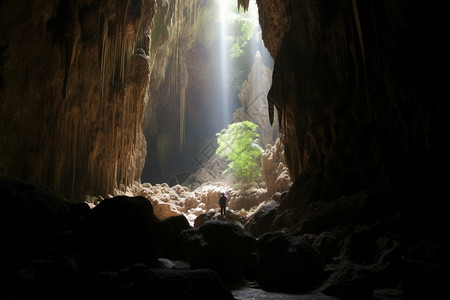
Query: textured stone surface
x=260, y=222
x=74, y=85
x=253, y=100
x=119, y=232
x=274, y=170
x=287, y=263
x=30, y=216
x=359, y=86
x=182, y=108
x=222, y=246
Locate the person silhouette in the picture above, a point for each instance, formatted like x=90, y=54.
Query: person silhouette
x=223, y=204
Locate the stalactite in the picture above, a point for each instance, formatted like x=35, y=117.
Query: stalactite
x=178, y=92
x=113, y=71
x=244, y=4
x=177, y=42
x=122, y=56
x=103, y=60
x=361, y=43
x=339, y=40
x=358, y=27
x=123, y=137
x=193, y=13
x=192, y=17
x=183, y=85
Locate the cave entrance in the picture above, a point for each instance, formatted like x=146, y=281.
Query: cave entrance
x=211, y=69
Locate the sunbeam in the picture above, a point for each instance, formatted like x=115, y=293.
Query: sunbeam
x=223, y=13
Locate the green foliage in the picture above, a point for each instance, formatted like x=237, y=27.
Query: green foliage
x=238, y=144
x=242, y=33
x=236, y=50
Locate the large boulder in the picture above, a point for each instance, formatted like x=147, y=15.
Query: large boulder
x=210, y=194
x=164, y=210
x=118, y=232
x=202, y=218
x=231, y=216
x=287, y=263
x=261, y=220
x=326, y=245
x=351, y=281
x=174, y=249
x=222, y=246
x=30, y=218
x=247, y=198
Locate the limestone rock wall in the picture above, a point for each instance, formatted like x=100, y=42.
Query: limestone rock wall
x=182, y=80
x=274, y=170
x=360, y=88
x=74, y=80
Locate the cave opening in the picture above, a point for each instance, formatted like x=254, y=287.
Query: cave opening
x=211, y=70
x=210, y=56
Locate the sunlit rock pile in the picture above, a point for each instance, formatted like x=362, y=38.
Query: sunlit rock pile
x=181, y=200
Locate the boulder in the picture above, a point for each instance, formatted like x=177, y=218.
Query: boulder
x=287, y=263
x=202, y=218
x=350, y=281
x=248, y=198
x=261, y=220
x=163, y=210
x=326, y=245
x=30, y=218
x=210, y=195
x=222, y=246
x=231, y=216
x=118, y=232
x=173, y=249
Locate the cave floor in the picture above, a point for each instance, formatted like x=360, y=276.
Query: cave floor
x=253, y=292
x=248, y=290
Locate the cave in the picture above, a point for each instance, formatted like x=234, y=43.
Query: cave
x=108, y=116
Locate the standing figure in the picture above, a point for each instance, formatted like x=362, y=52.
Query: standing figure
x=223, y=204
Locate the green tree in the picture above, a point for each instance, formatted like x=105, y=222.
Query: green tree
x=238, y=143
x=242, y=33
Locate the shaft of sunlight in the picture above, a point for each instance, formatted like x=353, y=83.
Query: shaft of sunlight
x=256, y=29
x=224, y=61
